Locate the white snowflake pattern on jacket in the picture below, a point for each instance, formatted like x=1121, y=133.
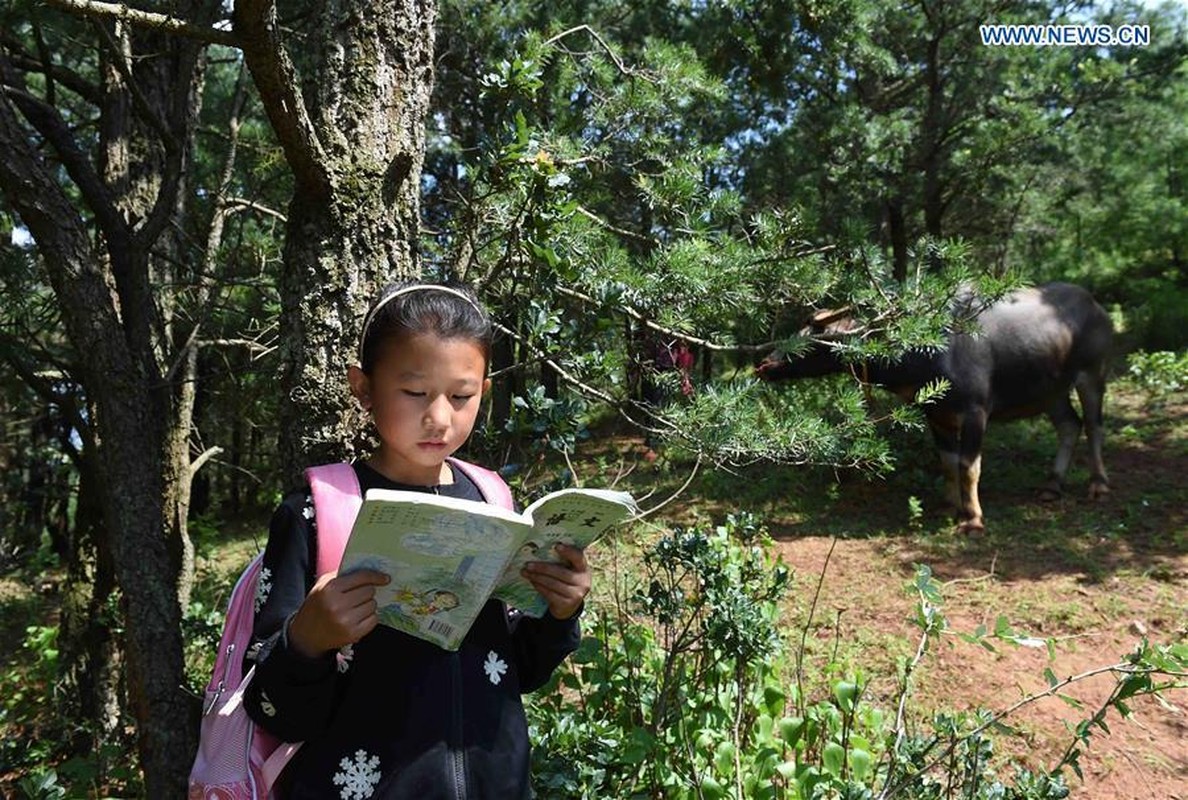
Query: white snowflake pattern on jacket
x=359, y=776
x=263, y=587
x=494, y=666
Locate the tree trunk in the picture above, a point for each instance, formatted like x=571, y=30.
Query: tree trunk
x=355, y=142
x=128, y=456
x=897, y=231
x=103, y=262
x=932, y=139
x=90, y=654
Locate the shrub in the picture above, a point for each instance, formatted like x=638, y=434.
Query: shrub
x=682, y=689
x=1159, y=374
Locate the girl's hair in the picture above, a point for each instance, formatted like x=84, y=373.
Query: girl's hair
x=411, y=308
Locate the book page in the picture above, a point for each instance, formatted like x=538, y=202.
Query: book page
x=571, y=516
x=444, y=556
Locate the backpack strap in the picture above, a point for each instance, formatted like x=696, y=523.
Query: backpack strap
x=337, y=499
x=491, y=485
x=272, y=767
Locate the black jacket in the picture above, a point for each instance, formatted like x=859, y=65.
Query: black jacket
x=394, y=716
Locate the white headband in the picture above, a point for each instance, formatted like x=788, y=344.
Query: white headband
x=421, y=287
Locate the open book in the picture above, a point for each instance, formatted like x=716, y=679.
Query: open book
x=447, y=556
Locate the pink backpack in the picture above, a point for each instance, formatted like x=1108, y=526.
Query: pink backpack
x=237, y=760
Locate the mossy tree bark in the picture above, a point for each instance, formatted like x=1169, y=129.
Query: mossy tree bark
x=355, y=140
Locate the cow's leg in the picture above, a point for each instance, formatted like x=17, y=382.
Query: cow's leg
x=1091, y=391
x=946, y=441
x=1068, y=427
x=969, y=471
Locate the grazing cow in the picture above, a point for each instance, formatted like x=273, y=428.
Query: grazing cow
x=1028, y=350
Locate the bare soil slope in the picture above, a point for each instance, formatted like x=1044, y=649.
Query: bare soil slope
x=1095, y=624
x=1095, y=577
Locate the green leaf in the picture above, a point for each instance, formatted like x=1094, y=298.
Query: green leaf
x=764, y=726
x=1134, y=684
x=846, y=693
x=1072, y=701
x=639, y=747
x=791, y=729
x=711, y=789
x=860, y=763
x=774, y=699
x=724, y=758
x=834, y=758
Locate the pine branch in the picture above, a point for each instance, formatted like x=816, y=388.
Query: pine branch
x=600, y=222
x=561, y=372
x=147, y=19
x=54, y=73
x=675, y=334
x=585, y=389
x=618, y=62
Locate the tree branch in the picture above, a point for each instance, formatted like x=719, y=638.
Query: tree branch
x=600, y=222
x=56, y=73
x=276, y=80
x=586, y=389
x=618, y=62
x=181, y=120
x=84, y=294
x=675, y=334
x=564, y=374
x=1121, y=668
x=55, y=131
x=45, y=389
x=674, y=495
x=243, y=204
x=147, y=19
x=202, y=458
x=255, y=347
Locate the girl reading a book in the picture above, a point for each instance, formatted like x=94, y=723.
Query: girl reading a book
x=383, y=714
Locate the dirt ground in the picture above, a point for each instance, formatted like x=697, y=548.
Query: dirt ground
x=1094, y=578
x=1145, y=757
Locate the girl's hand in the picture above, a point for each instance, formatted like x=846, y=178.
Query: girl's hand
x=564, y=586
x=339, y=610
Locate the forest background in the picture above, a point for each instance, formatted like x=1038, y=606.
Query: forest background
x=199, y=202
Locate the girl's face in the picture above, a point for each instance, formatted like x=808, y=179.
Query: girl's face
x=424, y=394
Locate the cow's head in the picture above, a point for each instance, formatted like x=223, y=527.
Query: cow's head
x=818, y=358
